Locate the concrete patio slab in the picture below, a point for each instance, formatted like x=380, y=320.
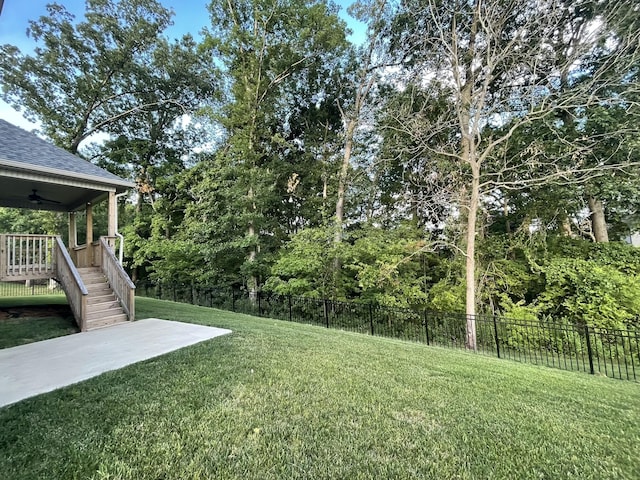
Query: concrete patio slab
x=40, y=367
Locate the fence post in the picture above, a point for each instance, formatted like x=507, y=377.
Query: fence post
x=371, y=318
x=326, y=312
x=426, y=325
x=259, y=305
x=233, y=300
x=495, y=333
x=589, y=352
x=289, y=302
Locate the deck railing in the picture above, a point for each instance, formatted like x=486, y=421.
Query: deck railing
x=122, y=286
x=27, y=257
x=68, y=276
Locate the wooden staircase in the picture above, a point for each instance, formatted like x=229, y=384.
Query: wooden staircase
x=103, y=308
x=98, y=296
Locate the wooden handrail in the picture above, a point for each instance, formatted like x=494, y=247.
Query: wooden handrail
x=62, y=251
x=72, y=284
x=121, y=284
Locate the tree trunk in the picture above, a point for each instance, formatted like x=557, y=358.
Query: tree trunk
x=598, y=221
x=566, y=227
x=342, y=188
x=342, y=179
x=251, y=232
x=469, y=133
x=470, y=265
x=507, y=222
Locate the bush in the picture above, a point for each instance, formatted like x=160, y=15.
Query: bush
x=586, y=292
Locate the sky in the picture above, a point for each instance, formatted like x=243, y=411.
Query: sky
x=191, y=16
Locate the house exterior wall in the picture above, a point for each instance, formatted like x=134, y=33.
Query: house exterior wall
x=633, y=239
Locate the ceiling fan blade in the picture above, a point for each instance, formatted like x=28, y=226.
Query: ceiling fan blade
x=49, y=200
x=37, y=199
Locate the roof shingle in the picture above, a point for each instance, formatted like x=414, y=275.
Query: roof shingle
x=18, y=145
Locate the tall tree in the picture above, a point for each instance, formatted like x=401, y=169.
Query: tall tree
x=268, y=49
x=153, y=146
x=78, y=82
x=369, y=61
x=497, y=59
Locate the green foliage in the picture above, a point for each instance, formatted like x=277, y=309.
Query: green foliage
x=173, y=260
x=269, y=177
x=276, y=82
x=518, y=311
x=379, y=266
x=388, y=265
x=563, y=280
x=618, y=255
x=520, y=332
x=78, y=81
x=590, y=293
x=306, y=265
x=447, y=296
x=32, y=221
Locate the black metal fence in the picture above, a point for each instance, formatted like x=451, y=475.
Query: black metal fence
x=564, y=345
x=27, y=289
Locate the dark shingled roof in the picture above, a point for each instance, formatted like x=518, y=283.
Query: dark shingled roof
x=18, y=145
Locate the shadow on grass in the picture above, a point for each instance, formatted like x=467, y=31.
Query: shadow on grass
x=21, y=324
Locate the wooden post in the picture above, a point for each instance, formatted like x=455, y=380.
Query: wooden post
x=112, y=226
x=73, y=230
x=3, y=256
x=89, y=210
x=89, y=239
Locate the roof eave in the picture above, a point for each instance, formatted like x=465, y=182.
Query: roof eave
x=118, y=183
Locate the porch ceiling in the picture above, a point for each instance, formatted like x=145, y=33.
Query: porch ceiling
x=15, y=193
x=64, y=182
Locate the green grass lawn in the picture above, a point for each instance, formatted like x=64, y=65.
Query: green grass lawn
x=28, y=300
x=281, y=400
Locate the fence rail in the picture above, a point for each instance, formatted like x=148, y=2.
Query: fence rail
x=564, y=345
x=30, y=288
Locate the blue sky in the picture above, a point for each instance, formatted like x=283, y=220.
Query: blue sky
x=190, y=17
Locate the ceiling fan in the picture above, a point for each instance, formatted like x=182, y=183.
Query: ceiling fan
x=38, y=200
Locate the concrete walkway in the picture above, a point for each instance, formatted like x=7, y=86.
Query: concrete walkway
x=40, y=367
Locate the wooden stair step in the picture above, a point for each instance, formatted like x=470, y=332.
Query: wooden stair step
x=88, y=270
x=93, y=299
x=98, y=287
x=102, y=314
x=106, y=321
x=93, y=276
x=103, y=307
x=100, y=307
